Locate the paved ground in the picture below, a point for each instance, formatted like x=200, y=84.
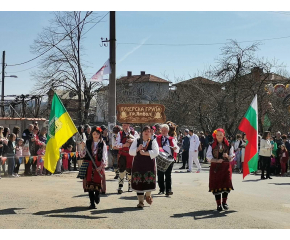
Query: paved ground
x=58, y=201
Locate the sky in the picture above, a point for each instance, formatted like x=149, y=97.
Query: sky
x=20, y=29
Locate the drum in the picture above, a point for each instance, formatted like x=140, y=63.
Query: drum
x=163, y=161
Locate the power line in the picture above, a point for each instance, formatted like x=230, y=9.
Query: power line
x=200, y=44
x=53, y=45
x=96, y=23
x=26, y=69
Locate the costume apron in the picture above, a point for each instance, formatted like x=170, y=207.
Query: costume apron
x=220, y=177
x=144, y=171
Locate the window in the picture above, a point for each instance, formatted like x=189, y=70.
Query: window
x=141, y=91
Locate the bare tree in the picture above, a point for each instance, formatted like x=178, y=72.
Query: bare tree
x=222, y=94
x=62, y=67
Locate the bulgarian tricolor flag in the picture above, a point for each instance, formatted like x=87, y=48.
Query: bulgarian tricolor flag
x=249, y=125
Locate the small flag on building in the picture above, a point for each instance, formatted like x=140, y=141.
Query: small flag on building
x=105, y=69
x=249, y=125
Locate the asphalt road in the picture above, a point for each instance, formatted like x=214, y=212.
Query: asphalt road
x=58, y=201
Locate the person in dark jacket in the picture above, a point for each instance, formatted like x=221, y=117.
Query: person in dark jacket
x=27, y=135
x=279, y=142
x=11, y=154
x=185, y=148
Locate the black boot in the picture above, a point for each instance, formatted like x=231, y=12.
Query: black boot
x=97, y=197
x=91, y=195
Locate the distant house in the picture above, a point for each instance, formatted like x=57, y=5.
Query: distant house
x=143, y=88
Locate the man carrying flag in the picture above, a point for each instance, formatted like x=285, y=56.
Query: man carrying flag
x=249, y=125
x=60, y=129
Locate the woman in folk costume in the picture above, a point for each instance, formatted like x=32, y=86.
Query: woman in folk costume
x=220, y=154
x=93, y=178
x=145, y=151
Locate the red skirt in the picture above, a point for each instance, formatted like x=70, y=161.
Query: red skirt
x=92, y=181
x=220, y=178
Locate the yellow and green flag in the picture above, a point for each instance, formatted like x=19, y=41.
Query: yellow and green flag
x=60, y=129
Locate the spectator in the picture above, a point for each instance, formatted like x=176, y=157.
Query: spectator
x=35, y=124
x=2, y=146
x=81, y=137
x=34, y=145
x=105, y=135
x=72, y=142
x=6, y=132
x=11, y=155
x=16, y=131
x=18, y=155
x=153, y=130
x=185, y=149
x=88, y=132
x=202, y=146
x=287, y=145
x=40, y=156
x=158, y=129
x=279, y=142
x=42, y=135
x=265, y=154
x=243, y=146
x=237, y=149
x=66, y=157
x=283, y=159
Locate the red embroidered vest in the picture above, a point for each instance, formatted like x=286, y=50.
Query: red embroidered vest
x=170, y=139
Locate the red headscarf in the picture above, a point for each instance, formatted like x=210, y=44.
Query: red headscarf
x=215, y=140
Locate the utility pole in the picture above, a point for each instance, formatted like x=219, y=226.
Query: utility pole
x=3, y=77
x=112, y=79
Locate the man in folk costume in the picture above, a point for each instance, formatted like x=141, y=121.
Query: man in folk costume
x=220, y=154
x=93, y=178
x=123, y=143
x=144, y=166
x=166, y=144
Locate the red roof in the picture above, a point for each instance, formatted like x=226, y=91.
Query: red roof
x=141, y=78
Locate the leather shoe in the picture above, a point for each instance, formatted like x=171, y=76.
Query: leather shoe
x=182, y=168
x=219, y=208
x=160, y=193
x=92, y=206
x=263, y=178
x=269, y=178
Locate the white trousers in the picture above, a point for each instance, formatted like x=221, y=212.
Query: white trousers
x=193, y=156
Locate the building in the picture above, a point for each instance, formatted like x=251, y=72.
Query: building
x=143, y=88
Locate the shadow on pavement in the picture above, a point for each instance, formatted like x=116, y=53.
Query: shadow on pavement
x=102, y=195
x=280, y=183
x=117, y=210
x=64, y=210
x=9, y=211
x=256, y=180
x=203, y=214
x=129, y=198
x=75, y=216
